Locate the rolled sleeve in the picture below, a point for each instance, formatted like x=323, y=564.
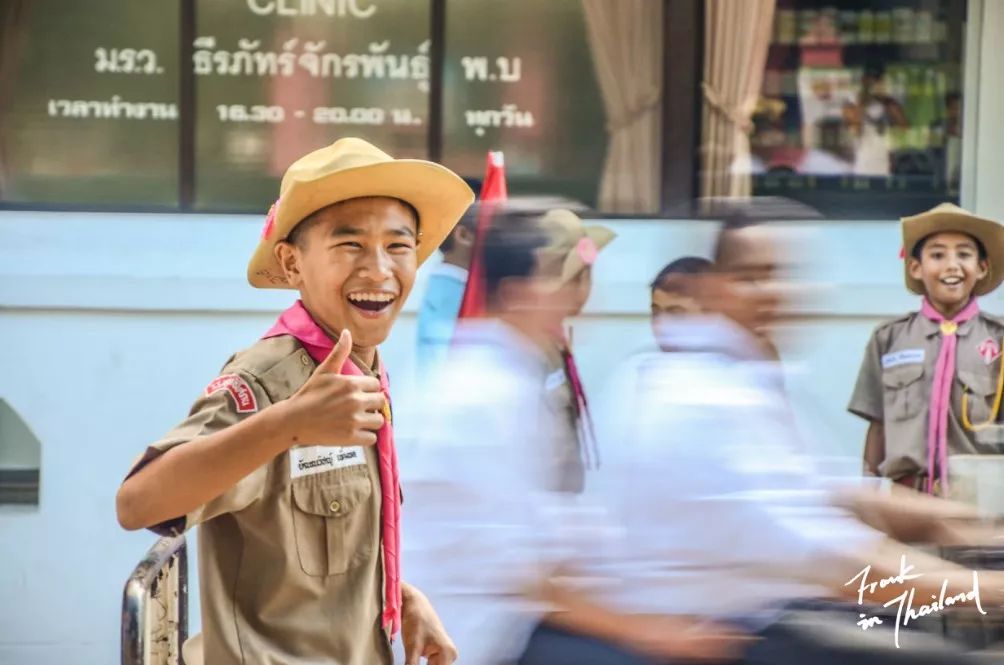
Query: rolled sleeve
x=866, y=400
x=214, y=411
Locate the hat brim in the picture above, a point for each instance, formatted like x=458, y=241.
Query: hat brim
x=438, y=195
x=987, y=231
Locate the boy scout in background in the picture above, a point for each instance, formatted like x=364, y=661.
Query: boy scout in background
x=437, y=314
x=287, y=461
x=568, y=257
x=930, y=383
x=673, y=293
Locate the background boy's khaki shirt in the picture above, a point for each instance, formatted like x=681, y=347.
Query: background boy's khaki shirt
x=895, y=382
x=289, y=558
x=567, y=469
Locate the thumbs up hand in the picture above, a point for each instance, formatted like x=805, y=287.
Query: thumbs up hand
x=335, y=409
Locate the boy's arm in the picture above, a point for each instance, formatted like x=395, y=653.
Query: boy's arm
x=912, y=517
x=192, y=474
x=867, y=401
x=661, y=636
x=874, y=453
x=217, y=448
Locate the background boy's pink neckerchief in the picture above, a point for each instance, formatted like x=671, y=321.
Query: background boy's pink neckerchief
x=941, y=390
x=590, y=448
x=296, y=321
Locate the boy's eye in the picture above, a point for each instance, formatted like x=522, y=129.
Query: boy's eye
x=350, y=245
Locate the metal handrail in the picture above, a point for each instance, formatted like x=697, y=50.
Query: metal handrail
x=150, y=579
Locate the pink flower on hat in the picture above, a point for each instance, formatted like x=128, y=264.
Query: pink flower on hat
x=270, y=220
x=587, y=250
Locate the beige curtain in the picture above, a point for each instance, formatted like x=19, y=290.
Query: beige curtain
x=736, y=36
x=625, y=37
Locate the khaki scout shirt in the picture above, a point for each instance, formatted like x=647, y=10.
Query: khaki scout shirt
x=895, y=382
x=289, y=558
x=567, y=470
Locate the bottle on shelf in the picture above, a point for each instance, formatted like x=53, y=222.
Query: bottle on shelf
x=883, y=27
x=849, y=26
x=923, y=27
x=866, y=26
x=903, y=26
x=806, y=26
x=787, y=26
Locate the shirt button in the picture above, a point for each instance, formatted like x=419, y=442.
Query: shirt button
x=335, y=506
x=304, y=359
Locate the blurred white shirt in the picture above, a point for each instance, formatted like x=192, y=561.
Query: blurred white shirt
x=719, y=514
x=478, y=529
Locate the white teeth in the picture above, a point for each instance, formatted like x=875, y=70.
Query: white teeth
x=371, y=297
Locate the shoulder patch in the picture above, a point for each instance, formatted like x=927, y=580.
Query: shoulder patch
x=239, y=390
x=989, y=350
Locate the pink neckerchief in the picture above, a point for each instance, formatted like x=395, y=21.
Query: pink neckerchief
x=590, y=449
x=941, y=390
x=296, y=321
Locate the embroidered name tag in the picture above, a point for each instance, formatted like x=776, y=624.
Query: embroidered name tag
x=308, y=460
x=554, y=380
x=904, y=357
x=239, y=390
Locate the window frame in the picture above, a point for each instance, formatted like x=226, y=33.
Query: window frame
x=680, y=136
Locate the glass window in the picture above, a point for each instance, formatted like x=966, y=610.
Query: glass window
x=861, y=106
x=20, y=459
x=519, y=78
x=276, y=79
x=89, y=111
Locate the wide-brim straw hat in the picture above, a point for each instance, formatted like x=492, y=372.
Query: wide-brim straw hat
x=571, y=247
x=351, y=168
x=949, y=217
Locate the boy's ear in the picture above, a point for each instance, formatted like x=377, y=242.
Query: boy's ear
x=288, y=256
x=984, y=269
x=913, y=267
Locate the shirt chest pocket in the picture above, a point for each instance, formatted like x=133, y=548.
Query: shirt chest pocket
x=334, y=524
x=903, y=391
x=980, y=392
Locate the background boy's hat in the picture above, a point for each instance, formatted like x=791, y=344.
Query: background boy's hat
x=352, y=168
x=949, y=217
x=571, y=246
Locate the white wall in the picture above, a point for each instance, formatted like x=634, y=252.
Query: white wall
x=111, y=324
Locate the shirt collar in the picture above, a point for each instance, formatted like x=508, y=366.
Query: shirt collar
x=449, y=270
x=297, y=322
x=931, y=328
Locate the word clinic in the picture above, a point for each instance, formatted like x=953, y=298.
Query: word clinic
x=335, y=8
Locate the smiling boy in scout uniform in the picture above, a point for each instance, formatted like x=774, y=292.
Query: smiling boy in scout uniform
x=931, y=381
x=286, y=461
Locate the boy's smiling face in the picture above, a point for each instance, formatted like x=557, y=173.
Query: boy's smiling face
x=949, y=266
x=354, y=264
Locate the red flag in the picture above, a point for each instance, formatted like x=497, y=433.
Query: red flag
x=493, y=191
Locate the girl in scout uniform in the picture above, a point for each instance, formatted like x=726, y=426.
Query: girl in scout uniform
x=931, y=381
x=566, y=263
x=287, y=461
